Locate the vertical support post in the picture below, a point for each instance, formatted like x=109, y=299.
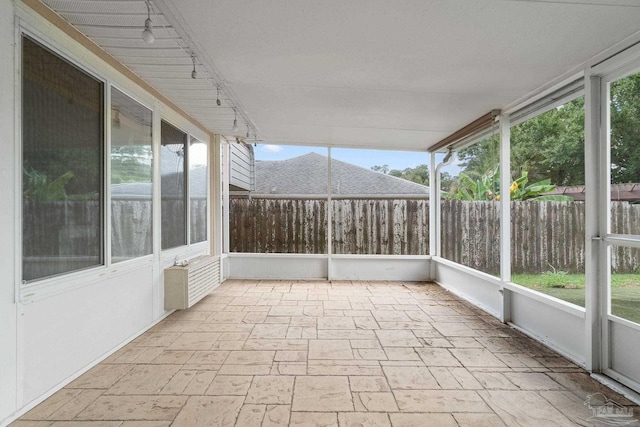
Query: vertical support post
x=215, y=199
x=604, y=222
x=434, y=211
x=329, y=218
x=226, y=177
x=158, y=288
x=187, y=188
x=505, y=213
x=106, y=199
x=595, y=210
x=12, y=332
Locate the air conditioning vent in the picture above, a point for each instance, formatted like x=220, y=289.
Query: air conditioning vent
x=186, y=285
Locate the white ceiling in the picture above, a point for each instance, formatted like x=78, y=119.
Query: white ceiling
x=398, y=74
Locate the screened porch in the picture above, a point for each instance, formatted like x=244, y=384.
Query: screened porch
x=409, y=213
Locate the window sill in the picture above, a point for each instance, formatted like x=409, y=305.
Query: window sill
x=47, y=288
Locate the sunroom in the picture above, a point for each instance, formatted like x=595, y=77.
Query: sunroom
x=373, y=196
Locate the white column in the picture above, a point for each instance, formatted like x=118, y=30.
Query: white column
x=10, y=200
x=329, y=216
x=215, y=199
x=505, y=213
x=158, y=284
x=226, y=166
x=595, y=214
x=434, y=210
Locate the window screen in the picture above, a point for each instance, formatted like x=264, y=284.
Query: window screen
x=173, y=154
x=131, y=178
x=62, y=152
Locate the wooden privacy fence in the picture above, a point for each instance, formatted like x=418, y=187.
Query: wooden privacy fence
x=545, y=236
x=381, y=226
x=282, y=226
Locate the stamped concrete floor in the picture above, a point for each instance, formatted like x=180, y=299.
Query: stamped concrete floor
x=269, y=353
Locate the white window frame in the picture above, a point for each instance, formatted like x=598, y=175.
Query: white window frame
x=170, y=255
x=31, y=24
x=567, y=93
x=147, y=257
x=25, y=288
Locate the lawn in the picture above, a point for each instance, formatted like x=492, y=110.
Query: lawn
x=625, y=290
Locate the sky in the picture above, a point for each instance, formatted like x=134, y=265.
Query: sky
x=364, y=158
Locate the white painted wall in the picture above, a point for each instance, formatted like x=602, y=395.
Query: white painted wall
x=343, y=267
x=69, y=331
x=625, y=347
x=380, y=267
x=225, y=267
x=8, y=323
x=277, y=266
x=476, y=287
x=555, y=323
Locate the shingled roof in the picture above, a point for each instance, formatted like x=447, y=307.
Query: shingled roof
x=307, y=174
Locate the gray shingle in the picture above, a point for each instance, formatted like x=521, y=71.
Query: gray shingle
x=307, y=174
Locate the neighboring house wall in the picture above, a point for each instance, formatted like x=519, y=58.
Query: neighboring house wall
x=242, y=175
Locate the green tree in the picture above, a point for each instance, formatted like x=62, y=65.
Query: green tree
x=419, y=174
x=447, y=181
x=551, y=145
x=481, y=158
x=548, y=146
x=625, y=129
x=382, y=169
x=131, y=164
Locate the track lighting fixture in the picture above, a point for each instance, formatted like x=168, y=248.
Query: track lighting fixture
x=247, y=132
x=147, y=34
x=235, y=121
x=218, y=102
x=255, y=143
x=194, y=73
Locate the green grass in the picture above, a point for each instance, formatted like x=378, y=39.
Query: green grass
x=625, y=290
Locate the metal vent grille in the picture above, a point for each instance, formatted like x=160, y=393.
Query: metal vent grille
x=202, y=280
x=186, y=285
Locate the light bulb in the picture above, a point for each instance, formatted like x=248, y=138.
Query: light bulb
x=218, y=102
x=147, y=34
x=235, y=125
x=194, y=73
